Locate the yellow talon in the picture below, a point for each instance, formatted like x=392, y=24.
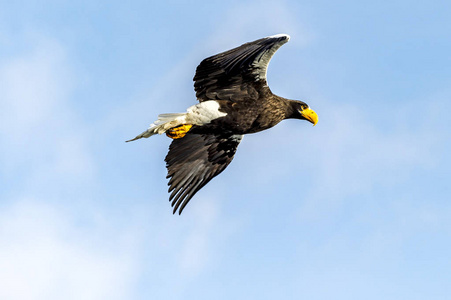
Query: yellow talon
x=179, y=131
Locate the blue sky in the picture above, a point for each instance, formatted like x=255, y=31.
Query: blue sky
x=357, y=207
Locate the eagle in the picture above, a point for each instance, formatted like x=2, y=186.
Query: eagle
x=234, y=100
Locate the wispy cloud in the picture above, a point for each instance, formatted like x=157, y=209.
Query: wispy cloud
x=46, y=254
x=41, y=136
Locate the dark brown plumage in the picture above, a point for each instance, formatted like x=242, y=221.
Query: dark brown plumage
x=234, y=100
x=194, y=160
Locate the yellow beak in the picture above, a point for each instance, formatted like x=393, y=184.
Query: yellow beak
x=310, y=115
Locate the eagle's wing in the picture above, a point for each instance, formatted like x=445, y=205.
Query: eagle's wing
x=194, y=160
x=238, y=74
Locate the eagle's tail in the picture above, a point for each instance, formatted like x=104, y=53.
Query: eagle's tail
x=164, y=122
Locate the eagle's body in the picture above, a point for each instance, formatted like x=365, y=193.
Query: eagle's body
x=234, y=100
x=242, y=118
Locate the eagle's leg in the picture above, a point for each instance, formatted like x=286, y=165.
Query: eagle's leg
x=178, y=131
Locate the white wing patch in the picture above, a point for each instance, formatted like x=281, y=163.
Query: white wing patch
x=204, y=113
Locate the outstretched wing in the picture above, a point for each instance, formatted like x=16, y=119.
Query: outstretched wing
x=194, y=160
x=237, y=74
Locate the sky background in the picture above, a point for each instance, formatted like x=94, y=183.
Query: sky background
x=357, y=207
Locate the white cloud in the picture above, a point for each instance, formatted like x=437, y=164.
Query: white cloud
x=41, y=136
x=46, y=254
x=34, y=83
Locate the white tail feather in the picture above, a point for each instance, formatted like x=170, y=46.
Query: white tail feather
x=164, y=122
x=164, y=118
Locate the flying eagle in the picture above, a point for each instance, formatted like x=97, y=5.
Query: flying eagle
x=234, y=99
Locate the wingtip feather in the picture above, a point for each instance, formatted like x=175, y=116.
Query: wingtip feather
x=280, y=35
